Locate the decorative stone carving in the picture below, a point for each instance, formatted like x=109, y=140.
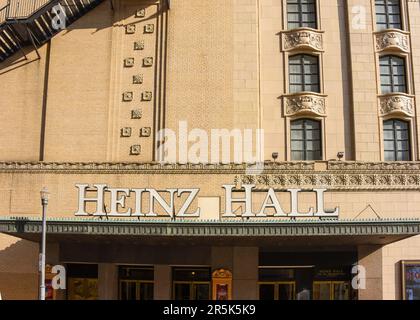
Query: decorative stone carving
x=138, y=79
x=141, y=13
x=145, y=132
x=135, y=150
x=126, y=132
x=139, y=45
x=396, y=103
x=149, y=28
x=377, y=166
x=136, y=114
x=303, y=38
x=392, y=39
x=129, y=62
x=148, y=62
x=146, y=96
x=127, y=96
x=130, y=29
x=335, y=180
x=305, y=102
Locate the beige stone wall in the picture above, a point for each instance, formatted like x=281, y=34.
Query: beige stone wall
x=392, y=255
x=18, y=268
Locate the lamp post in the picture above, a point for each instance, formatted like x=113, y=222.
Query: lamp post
x=44, y=201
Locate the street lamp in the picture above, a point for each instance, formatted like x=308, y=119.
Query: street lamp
x=44, y=201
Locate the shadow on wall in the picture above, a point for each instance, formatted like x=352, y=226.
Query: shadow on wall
x=90, y=20
x=18, y=270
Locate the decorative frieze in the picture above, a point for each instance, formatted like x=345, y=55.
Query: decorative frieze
x=126, y=132
x=136, y=114
x=396, y=103
x=151, y=167
x=127, y=96
x=129, y=62
x=393, y=39
x=138, y=79
x=302, y=38
x=333, y=181
x=373, y=166
x=148, y=62
x=146, y=96
x=135, y=150
x=130, y=29
x=149, y=28
x=305, y=102
x=139, y=45
x=145, y=132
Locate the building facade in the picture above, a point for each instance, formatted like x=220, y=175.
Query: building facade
x=132, y=112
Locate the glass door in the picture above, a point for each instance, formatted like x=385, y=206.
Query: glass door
x=136, y=290
x=331, y=290
x=191, y=283
x=191, y=290
x=136, y=283
x=277, y=290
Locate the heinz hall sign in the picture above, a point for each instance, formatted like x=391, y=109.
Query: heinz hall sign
x=118, y=198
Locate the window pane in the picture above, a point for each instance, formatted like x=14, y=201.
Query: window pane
x=396, y=141
x=297, y=155
x=389, y=156
x=301, y=13
x=389, y=145
x=306, y=142
x=388, y=14
x=297, y=134
x=297, y=145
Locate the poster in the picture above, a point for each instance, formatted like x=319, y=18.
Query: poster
x=411, y=281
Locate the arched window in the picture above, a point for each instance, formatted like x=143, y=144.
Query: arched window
x=396, y=140
x=301, y=13
x=306, y=140
x=388, y=14
x=303, y=73
x=393, y=76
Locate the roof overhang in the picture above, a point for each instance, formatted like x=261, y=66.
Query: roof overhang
x=250, y=232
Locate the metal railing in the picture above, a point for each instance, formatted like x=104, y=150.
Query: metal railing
x=20, y=9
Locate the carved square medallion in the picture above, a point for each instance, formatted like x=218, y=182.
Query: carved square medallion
x=145, y=132
x=129, y=62
x=139, y=45
x=146, y=96
x=138, y=79
x=126, y=132
x=136, y=114
x=130, y=28
x=128, y=96
x=148, y=62
x=135, y=150
x=149, y=28
x=140, y=13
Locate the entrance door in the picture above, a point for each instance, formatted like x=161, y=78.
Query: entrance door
x=136, y=283
x=331, y=290
x=136, y=290
x=191, y=283
x=277, y=290
x=191, y=290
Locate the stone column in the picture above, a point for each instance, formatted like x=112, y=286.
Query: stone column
x=245, y=273
x=163, y=285
x=370, y=257
x=107, y=281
